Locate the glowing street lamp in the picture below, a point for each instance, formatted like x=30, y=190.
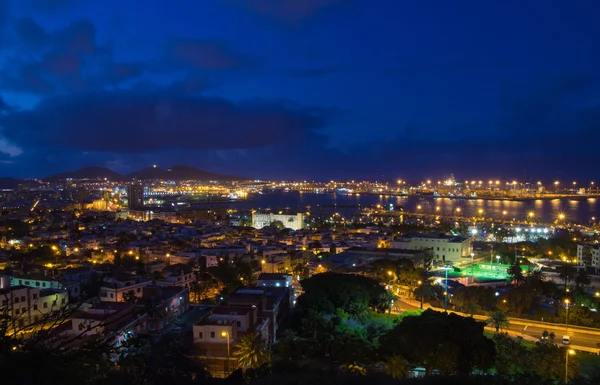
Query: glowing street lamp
x=446, y=268
x=568, y=352
x=567, y=302
x=225, y=334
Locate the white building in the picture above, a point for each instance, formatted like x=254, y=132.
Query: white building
x=588, y=256
x=116, y=290
x=444, y=248
x=28, y=305
x=294, y=222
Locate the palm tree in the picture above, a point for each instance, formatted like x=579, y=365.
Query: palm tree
x=567, y=273
x=298, y=271
x=251, y=352
x=498, y=321
x=359, y=311
x=515, y=272
x=582, y=278
x=396, y=367
x=386, y=301
x=537, y=275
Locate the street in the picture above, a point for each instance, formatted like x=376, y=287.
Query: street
x=588, y=340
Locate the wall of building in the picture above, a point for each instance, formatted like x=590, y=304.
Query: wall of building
x=294, y=222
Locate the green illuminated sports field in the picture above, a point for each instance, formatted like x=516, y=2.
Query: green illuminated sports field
x=484, y=271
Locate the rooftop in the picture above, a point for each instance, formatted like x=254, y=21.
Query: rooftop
x=451, y=238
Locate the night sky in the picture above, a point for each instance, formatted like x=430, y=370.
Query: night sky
x=304, y=89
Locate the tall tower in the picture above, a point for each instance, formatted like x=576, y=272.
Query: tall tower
x=135, y=196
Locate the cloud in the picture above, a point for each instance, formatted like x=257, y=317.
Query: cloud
x=545, y=105
x=191, y=84
x=4, y=107
x=50, y=5
x=314, y=72
x=67, y=60
x=30, y=32
x=290, y=12
x=204, y=54
x=8, y=148
x=130, y=122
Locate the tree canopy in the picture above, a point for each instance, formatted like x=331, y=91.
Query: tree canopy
x=439, y=341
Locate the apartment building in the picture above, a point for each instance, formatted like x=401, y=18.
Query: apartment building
x=164, y=305
x=118, y=288
x=257, y=310
x=27, y=305
x=588, y=256
x=177, y=275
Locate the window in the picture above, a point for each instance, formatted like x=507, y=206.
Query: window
x=200, y=335
x=151, y=326
x=112, y=295
x=22, y=298
x=35, y=307
x=138, y=290
x=16, y=299
x=239, y=324
x=103, y=294
x=81, y=326
x=34, y=296
x=17, y=311
x=63, y=301
x=212, y=334
x=4, y=302
x=37, y=284
x=45, y=305
x=44, y=284
x=26, y=282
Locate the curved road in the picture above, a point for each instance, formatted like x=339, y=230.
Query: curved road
x=587, y=339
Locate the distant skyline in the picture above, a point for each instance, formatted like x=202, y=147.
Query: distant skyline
x=313, y=90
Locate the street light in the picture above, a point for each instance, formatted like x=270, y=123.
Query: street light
x=472, y=265
x=225, y=334
x=568, y=352
x=446, y=268
x=567, y=302
x=422, y=292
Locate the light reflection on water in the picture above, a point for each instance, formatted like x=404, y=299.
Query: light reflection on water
x=543, y=210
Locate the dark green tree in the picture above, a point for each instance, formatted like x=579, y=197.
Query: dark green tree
x=446, y=342
x=516, y=273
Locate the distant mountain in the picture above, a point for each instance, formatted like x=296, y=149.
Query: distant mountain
x=176, y=173
x=13, y=183
x=179, y=173
x=87, y=173
x=9, y=183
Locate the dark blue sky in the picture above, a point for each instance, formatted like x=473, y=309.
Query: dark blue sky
x=302, y=89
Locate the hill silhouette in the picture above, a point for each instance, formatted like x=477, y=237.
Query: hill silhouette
x=176, y=173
